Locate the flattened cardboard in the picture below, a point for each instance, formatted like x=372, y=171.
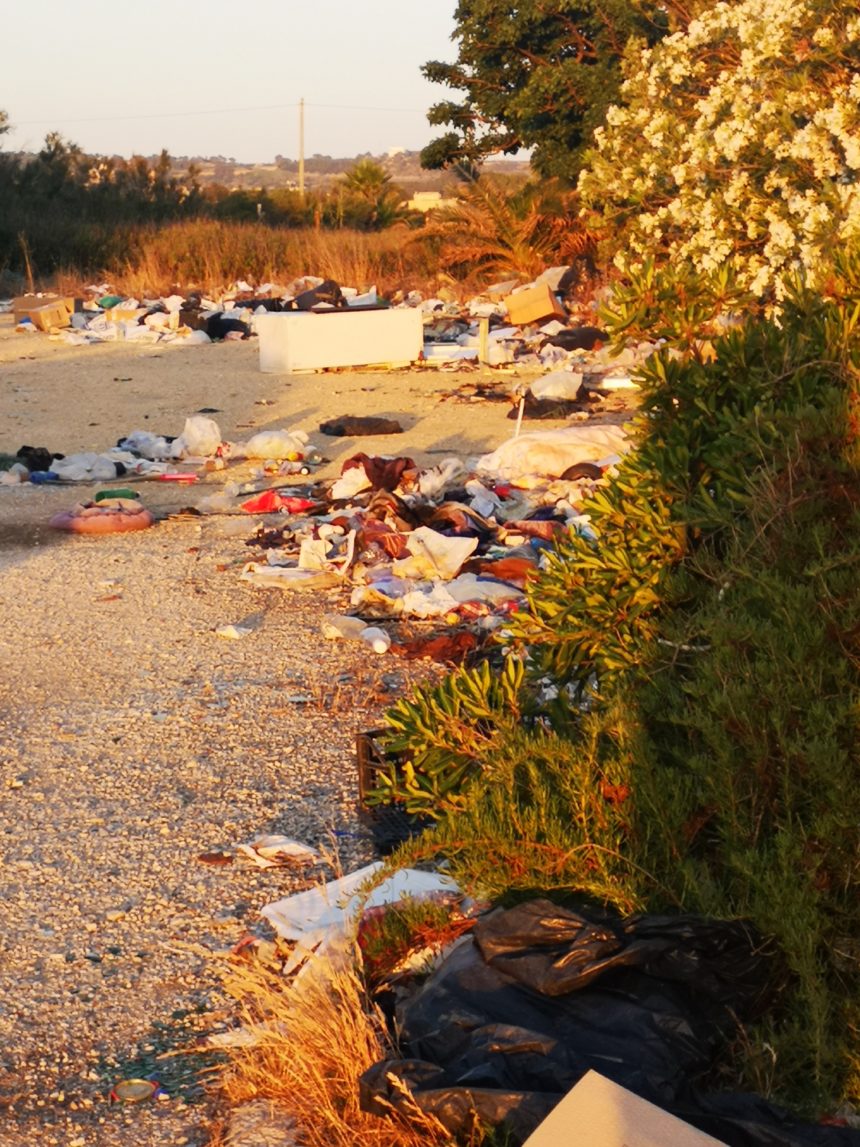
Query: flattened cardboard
x=600, y=1113
x=533, y=305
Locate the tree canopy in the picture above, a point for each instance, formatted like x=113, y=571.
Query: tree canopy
x=537, y=75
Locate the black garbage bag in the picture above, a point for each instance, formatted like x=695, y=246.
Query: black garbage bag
x=220, y=325
x=538, y=995
x=458, y=1109
x=578, y=338
x=36, y=457
x=327, y=293
x=553, y=951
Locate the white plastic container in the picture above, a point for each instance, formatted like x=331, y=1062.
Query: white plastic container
x=306, y=341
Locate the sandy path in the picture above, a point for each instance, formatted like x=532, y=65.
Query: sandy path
x=132, y=737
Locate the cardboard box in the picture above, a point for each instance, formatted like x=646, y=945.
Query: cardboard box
x=600, y=1113
x=49, y=316
x=24, y=306
x=302, y=340
x=533, y=305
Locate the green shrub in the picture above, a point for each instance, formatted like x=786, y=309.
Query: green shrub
x=442, y=734
x=705, y=650
x=543, y=813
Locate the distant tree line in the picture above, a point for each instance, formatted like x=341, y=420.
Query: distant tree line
x=65, y=208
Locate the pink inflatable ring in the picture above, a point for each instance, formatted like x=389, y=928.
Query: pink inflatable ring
x=111, y=516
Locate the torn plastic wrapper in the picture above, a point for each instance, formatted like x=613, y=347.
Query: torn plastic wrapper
x=320, y=918
x=288, y=577
x=275, y=851
x=433, y=555
x=271, y=502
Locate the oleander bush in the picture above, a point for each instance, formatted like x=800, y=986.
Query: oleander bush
x=736, y=138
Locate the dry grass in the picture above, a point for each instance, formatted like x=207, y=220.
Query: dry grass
x=315, y=1043
x=209, y=256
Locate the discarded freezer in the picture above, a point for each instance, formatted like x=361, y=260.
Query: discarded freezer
x=306, y=341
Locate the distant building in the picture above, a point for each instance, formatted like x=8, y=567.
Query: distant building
x=425, y=201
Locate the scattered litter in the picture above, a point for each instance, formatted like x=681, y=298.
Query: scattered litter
x=217, y=858
x=200, y=438
x=533, y=304
x=271, y=502
x=278, y=852
x=288, y=577
x=321, y=917
x=88, y=467
x=233, y=632
x=557, y=384
x=339, y=627
x=433, y=555
x=274, y=444
x=353, y=426
x=136, y=1090
x=549, y=453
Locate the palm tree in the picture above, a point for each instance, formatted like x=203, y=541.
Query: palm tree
x=372, y=201
x=518, y=232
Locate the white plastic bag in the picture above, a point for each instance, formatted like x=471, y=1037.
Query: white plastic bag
x=557, y=384
x=275, y=444
x=84, y=468
x=549, y=453
x=200, y=438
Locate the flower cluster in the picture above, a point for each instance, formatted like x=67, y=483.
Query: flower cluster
x=738, y=139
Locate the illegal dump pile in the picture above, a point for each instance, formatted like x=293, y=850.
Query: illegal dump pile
x=669, y=751
x=537, y=325
x=654, y=725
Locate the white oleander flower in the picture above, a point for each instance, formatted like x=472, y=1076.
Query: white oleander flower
x=739, y=139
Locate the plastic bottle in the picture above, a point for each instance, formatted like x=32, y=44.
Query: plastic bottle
x=376, y=638
x=338, y=626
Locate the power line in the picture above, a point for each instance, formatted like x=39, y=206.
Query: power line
x=205, y=112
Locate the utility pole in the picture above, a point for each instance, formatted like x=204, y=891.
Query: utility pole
x=302, y=147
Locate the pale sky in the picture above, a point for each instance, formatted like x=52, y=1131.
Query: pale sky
x=130, y=78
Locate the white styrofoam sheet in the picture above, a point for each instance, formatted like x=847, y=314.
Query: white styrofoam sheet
x=305, y=341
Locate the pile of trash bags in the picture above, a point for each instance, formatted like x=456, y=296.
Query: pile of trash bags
x=538, y=995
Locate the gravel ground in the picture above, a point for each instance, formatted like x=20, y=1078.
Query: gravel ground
x=133, y=738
